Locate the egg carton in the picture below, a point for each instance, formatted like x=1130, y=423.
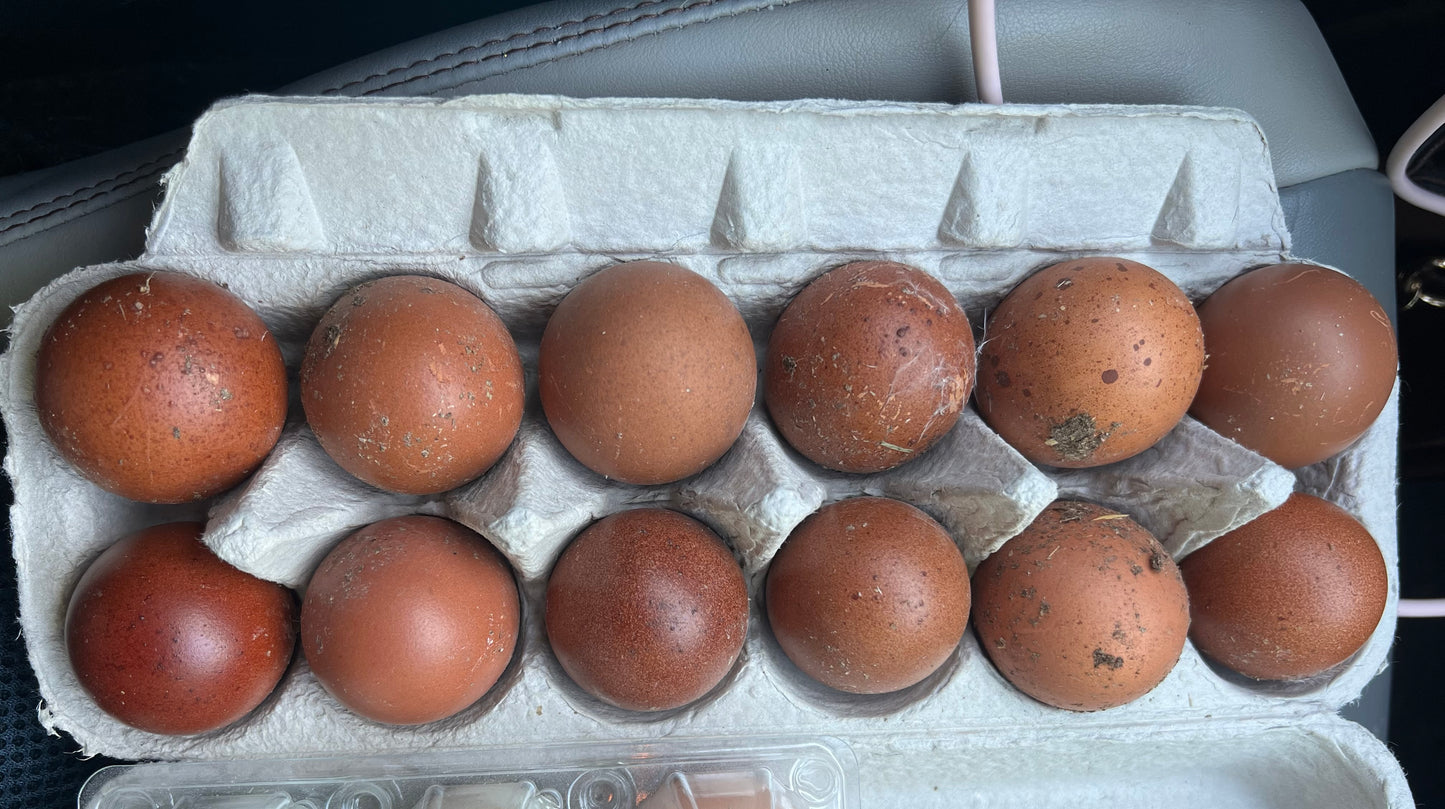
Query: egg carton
x=289, y=202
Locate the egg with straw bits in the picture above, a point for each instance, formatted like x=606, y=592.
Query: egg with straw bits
x=161, y=387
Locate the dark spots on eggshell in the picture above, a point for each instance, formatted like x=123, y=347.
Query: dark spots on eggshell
x=168, y=638
x=897, y=369
x=660, y=585
x=1074, y=659
x=1002, y=378
x=868, y=595
x=1308, y=560
x=110, y=386
x=1082, y=353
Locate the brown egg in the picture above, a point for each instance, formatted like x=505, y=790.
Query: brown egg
x=1289, y=595
x=412, y=384
x=868, y=366
x=1089, y=362
x=1301, y=362
x=647, y=372
x=1084, y=610
x=167, y=638
x=868, y=595
x=161, y=387
x=410, y=620
x=647, y=610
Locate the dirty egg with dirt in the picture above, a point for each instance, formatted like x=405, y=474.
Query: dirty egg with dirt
x=1088, y=362
x=1084, y=610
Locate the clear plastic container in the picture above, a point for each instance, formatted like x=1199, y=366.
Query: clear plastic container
x=693, y=774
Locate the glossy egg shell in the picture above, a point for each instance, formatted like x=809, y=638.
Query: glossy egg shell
x=161, y=387
x=868, y=595
x=1084, y=610
x=412, y=384
x=868, y=366
x=410, y=620
x=1088, y=362
x=1301, y=362
x=647, y=372
x=647, y=610
x=168, y=638
x=1288, y=595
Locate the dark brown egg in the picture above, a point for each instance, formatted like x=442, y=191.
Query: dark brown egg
x=868, y=595
x=166, y=637
x=161, y=387
x=1089, y=362
x=1301, y=362
x=412, y=384
x=410, y=620
x=1084, y=610
x=647, y=610
x=647, y=372
x=1288, y=595
x=868, y=366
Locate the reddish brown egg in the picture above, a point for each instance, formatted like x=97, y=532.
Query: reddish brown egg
x=868, y=366
x=161, y=387
x=410, y=620
x=1301, y=362
x=1290, y=594
x=647, y=372
x=166, y=637
x=868, y=595
x=1089, y=362
x=647, y=610
x=1084, y=610
x=412, y=384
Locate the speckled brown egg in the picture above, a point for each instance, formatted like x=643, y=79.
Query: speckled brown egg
x=412, y=384
x=868, y=595
x=161, y=387
x=868, y=366
x=410, y=620
x=647, y=610
x=1084, y=610
x=167, y=638
x=1301, y=362
x=1289, y=595
x=647, y=372
x=1088, y=362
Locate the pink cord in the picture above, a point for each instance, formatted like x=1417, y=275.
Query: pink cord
x=983, y=37
x=1422, y=608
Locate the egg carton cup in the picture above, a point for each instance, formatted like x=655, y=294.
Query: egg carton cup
x=289, y=202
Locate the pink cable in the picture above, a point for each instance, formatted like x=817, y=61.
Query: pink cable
x=983, y=37
x=1422, y=608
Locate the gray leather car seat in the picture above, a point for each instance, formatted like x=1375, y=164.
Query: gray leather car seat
x=1266, y=57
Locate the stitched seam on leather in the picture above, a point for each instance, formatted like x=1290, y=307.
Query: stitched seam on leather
x=559, y=57
x=498, y=41
x=149, y=166
x=545, y=43
x=140, y=171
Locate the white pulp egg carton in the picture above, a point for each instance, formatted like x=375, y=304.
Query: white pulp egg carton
x=291, y=201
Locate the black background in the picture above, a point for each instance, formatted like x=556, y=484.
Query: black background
x=78, y=77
